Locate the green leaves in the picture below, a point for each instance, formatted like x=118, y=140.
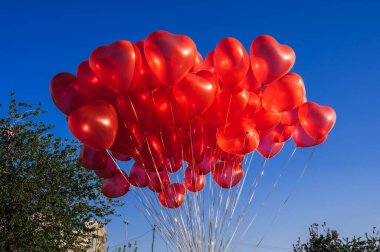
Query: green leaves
x=46, y=198
x=329, y=241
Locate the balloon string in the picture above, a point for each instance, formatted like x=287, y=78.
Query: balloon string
x=150, y=152
x=282, y=206
x=286, y=165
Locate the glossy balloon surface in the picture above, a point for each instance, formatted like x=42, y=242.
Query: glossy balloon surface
x=169, y=56
x=269, y=59
x=227, y=174
x=95, y=125
x=172, y=196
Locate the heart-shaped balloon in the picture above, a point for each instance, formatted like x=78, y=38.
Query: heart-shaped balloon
x=281, y=133
x=290, y=117
x=250, y=83
x=169, y=56
x=237, y=138
x=173, y=164
x=167, y=108
x=316, y=120
x=194, y=181
x=253, y=106
x=227, y=174
x=268, y=148
x=209, y=62
x=152, y=153
x=172, y=196
x=138, y=108
x=224, y=156
x=95, y=125
x=195, y=93
x=269, y=59
x=228, y=106
x=283, y=94
x=198, y=64
x=93, y=159
x=137, y=176
x=303, y=140
x=231, y=61
x=91, y=82
x=109, y=170
x=123, y=143
x=116, y=186
x=121, y=156
x=208, y=161
x=157, y=181
x=68, y=93
x=116, y=64
x=264, y=120
x=168, y=134
x=144, y=78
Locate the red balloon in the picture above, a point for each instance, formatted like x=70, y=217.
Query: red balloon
x=269, y=59
x=250, y=83
x=116, y=186
x=138, y=176
x=253, y=106
x=283, y=94
x=224, y=156
x=268, y=148
x=237, y=138
x=167, y=108
x=145, y=79
x=194, y=181
x=169, y=56
x=231, y=61
x=290, y=117
x=302, y=139
x=209, y=62
x=172, y=196
x=109, y=170
x=316, y=120
x=170, y=141
x=152, y=153
x=198, y=64
x=121, y=156
x=124, y=143
x=195, y=93
x=116, y=64
x=266, y=120
x=138, y=108
x=92, y=159
x=227, y=174
x=173, y=164
x=281, y=133
x=92, y=83
x=95, y=125
x=228, y=106
x=204, y=167
x=209, y=133
x=193, y=147
x=86, y=76
x=68, y=93
x=157, y=181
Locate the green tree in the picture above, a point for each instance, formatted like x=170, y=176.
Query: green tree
x=46, y=198
x=329, y=241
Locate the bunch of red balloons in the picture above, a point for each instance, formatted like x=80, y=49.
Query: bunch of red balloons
x=159, y=103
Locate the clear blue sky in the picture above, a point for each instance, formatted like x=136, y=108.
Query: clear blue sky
x=337, y=47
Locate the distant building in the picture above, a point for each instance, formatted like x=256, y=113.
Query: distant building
x=98, y=244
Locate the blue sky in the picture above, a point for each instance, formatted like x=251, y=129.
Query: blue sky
x=337, y=47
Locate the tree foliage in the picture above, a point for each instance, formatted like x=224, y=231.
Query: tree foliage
x=46, y=198
x=329, y=241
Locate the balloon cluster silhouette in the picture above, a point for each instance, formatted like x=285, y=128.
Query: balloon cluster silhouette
x=159, y=103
